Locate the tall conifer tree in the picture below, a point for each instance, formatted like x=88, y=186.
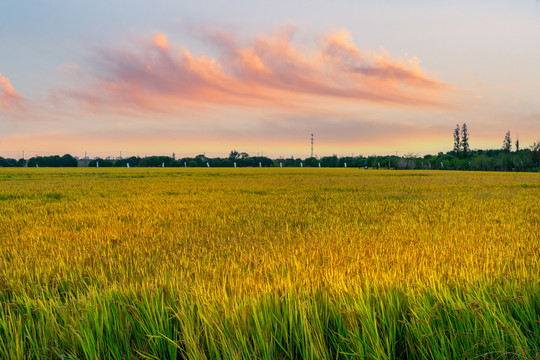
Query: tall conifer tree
x=457, y=141
x=464, y=140
x=507, y=143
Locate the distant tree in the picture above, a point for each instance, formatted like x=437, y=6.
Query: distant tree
x=67, y=161
x=311, y=162
x=100, y=162
x=289, y=162
x=329, y=161
x=464, y=140
x=234, y=154
x=457, y=141
x=517, y=145
x=53, y=161
x=133, y=161
x=507, y=143
x=535, y=152
x=7, y=162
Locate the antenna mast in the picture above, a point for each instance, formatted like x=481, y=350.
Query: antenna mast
x=311, y=145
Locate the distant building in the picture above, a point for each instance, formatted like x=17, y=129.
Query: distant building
x=83, y=162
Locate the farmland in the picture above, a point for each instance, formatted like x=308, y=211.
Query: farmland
x=268, y=264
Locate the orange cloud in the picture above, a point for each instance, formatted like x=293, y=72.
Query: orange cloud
x=9, y=98
x=271, y=71
x=160, y=40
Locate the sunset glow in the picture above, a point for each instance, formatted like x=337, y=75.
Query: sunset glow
x=189, y=81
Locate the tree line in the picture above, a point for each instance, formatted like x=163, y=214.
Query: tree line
x=510, y=157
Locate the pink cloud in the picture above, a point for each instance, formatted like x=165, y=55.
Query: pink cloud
x=271, y=71
x=9, y=98
x=340, y=50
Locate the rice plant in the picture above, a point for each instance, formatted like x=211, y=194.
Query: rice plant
x=268, y=264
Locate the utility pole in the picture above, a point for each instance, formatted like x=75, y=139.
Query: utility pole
x=311, y=145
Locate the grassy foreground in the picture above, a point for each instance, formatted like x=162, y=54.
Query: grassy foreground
x=268, y=264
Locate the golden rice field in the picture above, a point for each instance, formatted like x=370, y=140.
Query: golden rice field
x=294, y=263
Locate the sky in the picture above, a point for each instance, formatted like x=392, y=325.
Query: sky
x=159, y=77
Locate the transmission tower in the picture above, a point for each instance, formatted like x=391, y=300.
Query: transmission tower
x=311, y=145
